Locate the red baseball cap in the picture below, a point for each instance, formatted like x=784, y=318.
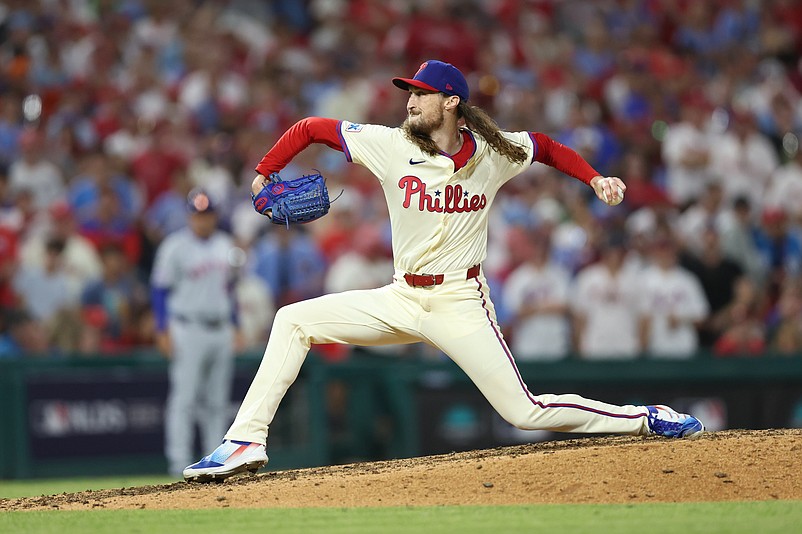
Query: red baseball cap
x=434, y=75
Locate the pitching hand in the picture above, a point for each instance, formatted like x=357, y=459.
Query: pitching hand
x=609, y=189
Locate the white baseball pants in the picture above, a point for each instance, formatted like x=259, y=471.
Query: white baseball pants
x=457, y=317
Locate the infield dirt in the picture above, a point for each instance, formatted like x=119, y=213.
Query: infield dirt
x=718, y=466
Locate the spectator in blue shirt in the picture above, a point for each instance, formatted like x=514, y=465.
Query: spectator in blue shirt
x=780, y=250
x=291, y=264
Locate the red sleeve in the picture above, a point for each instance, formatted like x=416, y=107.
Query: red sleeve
x=300, y=135
x=562, y=158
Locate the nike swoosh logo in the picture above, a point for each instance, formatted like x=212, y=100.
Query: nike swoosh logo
x=416, y=162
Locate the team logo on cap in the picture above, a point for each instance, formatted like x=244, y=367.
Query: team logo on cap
x=200, y=202
x=422, y=66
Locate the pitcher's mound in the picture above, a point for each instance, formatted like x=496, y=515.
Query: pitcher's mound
x=718, y=466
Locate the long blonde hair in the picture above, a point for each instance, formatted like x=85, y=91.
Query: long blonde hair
x=477, y=120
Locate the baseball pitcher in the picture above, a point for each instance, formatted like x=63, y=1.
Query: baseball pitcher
x=439, y=180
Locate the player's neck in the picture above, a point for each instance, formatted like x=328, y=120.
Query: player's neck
x=448, y=138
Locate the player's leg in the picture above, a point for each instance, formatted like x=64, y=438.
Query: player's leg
x=182, y=399
x=371, y=317
x=216, y=388
x=478, y=347
x=367, y=317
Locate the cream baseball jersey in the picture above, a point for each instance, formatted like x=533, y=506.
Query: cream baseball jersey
x=439, y=216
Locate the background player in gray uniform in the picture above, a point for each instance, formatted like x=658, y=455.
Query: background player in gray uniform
x=439, y=180
x=192, y=288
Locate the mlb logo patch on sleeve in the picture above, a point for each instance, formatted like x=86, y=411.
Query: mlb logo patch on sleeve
x=353, y=127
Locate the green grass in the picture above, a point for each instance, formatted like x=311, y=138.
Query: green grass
x=704, y=518
x=10, y=489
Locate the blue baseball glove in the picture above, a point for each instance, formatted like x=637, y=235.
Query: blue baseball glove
x=286, y=202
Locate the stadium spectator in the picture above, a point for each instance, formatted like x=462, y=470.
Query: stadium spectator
x=34, y=172
x=168, y=212
x=6, y=199
x=786, y=325
x=605, y=301
x=779, y=116
x=44, y=291
x=536, y=296
x=212, y=90
x=704, y=212
x=153, y=167
x=80, y=257
x=256, y=310
x=22, y=217
x=590, y=137
x=718, y=276
x=96, y=175
x=10, y=128
x=686, y=152
x=109, y=223
x=738, y=233
x=46, y=295
x=785, y=189
x=291, y=263
x=366, y=265
x=338, y=234
x=780, y=250
x=210, y=169
x=673, y=304
x=8, y=266
x=21, y=335
x=743, y=331
x=743, y=159
x=112, y=303
x=435, y=30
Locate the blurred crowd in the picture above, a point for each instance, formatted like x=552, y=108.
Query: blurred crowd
x=111, y=111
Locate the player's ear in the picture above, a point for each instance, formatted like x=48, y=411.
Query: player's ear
x=451, y=103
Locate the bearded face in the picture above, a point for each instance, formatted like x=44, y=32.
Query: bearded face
x=422, y=123
x=425, y=113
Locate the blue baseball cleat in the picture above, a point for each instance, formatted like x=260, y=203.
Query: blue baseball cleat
x=663, y=421
x=230, y=458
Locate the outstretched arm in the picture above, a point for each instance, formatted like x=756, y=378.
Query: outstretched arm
x=300, y=135
x=554, y=154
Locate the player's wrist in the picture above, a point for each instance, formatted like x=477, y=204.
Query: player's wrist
x=594, y=182
x=258, y=183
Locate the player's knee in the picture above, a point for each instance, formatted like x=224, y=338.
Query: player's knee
x=290, y=316
x=519, y=420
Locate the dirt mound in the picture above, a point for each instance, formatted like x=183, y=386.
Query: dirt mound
x=718, y=466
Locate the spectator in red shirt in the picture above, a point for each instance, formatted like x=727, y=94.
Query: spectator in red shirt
x=8, y=263
x=435, y=31
x=154, y=167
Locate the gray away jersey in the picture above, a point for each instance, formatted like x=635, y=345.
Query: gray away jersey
x=198, y=273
